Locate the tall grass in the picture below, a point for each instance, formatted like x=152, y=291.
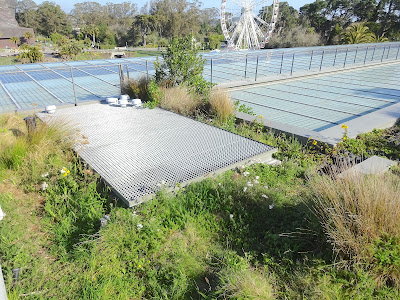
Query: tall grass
x=32, y=155
x=179, y=100
x=222, y=104
x=361, y=218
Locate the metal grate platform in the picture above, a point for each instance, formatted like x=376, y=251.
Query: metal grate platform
x=138, y=150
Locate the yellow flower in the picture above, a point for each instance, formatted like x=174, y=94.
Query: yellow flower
x=310, y=138
x=260, y=116
x=140, y=266
x=344, y=138
x=344, y=126
x=314, y=143
x=66, y=173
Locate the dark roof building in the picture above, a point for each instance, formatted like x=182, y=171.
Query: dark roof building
x=8, y=24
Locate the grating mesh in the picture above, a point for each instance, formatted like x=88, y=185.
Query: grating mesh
x=137, y=150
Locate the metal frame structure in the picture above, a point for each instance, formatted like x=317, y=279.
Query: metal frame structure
x=246, y=27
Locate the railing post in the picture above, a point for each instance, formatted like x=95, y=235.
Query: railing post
x=245, y=69
x=255, y=78
x=283, y=53
x=355, y=57
x=383, y=54
x=147, y=69
x=334, y=60
x=387, y=57
x=397, y=55
x=366, y=54
x=127, y=72
x=312, y=54
x=345, y=58
x=121, y=77
x=73, y=86
x=211, y=70
x=291, y=70
x=322, y=60
x=373, y=54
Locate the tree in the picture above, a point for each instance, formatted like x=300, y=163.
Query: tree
x=15, y=40
x=358, y=33
x=27, y=36
x=142, y=26
x=93, y=31
x=182, y=65
x=52, y=18
x=26, y=14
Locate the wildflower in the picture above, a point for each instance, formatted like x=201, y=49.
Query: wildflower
x=245, y=173
x=65, y=171
x=134, y=213
x=231, y=216
x=310, y=138
x=44, y=186
x=271, y=206
x=139, y=226
x=219, y=183
x=245, y=189
x=264, y=196
x=344, y=138
x=249, y=184
x=315, y=142
x=344, y=126
x=255, y=181
x=257, y=177
x=266, y=187
x=140, y=266
x=260, y=116
x=45, y=174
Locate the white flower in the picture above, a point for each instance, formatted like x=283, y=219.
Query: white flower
x=63, y=170
x=255, y=181
x=266, y=187
x=158, y=229
x=245, y=173
x=245, y=189
x=249, y=184
x=139, y=226
x=264, y=196
x=134, y=213
x=44, y=186
x=231, y=216
x=271, y=206
x=2, y=214
x=45, y=174
x=219, y=183
x=257, y=177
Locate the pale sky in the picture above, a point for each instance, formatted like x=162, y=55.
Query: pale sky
x=69, y=5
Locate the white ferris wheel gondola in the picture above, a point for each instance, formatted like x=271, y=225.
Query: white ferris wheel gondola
x=245, y=23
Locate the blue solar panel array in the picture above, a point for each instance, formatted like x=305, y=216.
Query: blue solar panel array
x=24, y=87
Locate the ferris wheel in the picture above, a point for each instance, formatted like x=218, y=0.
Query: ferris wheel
x=248, y=24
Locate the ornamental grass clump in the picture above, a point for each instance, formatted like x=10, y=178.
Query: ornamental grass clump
x=360, y=215
x=222, y=104
x=179, y=100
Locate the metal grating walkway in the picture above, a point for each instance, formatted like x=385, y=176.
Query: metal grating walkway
x=137, y=150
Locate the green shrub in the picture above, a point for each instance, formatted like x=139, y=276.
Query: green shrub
x=181, y=64
x=31, y=53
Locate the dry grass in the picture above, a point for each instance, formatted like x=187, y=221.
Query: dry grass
x=246, y=284
x=179, y=100
x=222, y=104
x=136, y=88
x=356, y=211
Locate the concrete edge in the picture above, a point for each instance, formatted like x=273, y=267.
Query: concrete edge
x=380, y=119
x=303, y=135
x=261, y=158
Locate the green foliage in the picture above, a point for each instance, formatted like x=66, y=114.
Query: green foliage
x=70, y=49
x=56, y=37
x=181, y=64
x=358, y=34
x=31, y=53
x=215, y=40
